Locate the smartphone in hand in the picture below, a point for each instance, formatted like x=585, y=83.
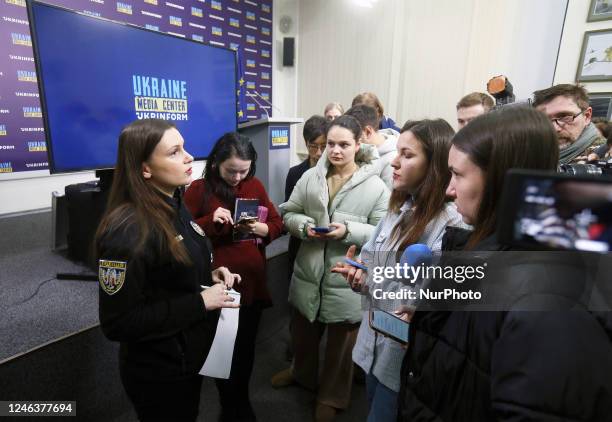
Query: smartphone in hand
x=321, y=229
x=389, y=325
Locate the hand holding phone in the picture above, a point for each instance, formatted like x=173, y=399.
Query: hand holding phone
x=321, y=229
x=389, y=325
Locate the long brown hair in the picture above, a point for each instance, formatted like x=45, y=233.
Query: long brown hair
x=134, y=201
x=434, y=137
x=511, y=137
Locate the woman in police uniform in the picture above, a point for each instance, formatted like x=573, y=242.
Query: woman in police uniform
x=153, y=260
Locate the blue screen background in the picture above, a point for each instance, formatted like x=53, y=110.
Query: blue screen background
x=86, y=67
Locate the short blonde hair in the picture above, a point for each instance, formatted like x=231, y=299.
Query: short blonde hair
x=332, y=106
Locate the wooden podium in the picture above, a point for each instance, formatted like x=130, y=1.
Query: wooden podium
x=271, y=137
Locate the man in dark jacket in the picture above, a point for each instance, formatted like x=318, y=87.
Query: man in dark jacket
x=314, y=136
x=535, y=351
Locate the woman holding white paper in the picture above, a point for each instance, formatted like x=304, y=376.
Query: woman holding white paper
x=229, y=179
x=153, y=260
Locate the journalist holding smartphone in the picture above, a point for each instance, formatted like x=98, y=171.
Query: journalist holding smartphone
x=539, y=353
x=342, y=192
x=418, y=213
x=228, y=179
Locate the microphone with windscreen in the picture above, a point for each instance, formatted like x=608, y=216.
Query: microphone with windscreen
x=417, y=254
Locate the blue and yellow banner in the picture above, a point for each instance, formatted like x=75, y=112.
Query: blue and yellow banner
x=243, y=26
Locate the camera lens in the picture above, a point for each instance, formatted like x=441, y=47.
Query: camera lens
x=581, y=169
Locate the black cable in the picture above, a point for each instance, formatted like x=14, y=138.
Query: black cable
x=77, y=276
x=35, y=293
x=60, y=276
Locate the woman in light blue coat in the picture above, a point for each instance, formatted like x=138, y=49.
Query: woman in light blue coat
x=344, y=195
x=418, y=213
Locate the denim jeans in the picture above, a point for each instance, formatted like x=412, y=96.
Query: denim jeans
x=382, y=401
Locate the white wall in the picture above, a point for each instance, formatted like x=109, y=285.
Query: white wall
x=571, y=45
x=420, y=57
x=26, y=192
x=285, y=79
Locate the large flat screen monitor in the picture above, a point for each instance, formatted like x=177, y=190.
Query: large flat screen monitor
x=95, y=76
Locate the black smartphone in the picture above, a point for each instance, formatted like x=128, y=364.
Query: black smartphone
x=321, y=229
x=389, y=325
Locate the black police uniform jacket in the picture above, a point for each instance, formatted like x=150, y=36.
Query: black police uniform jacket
x=511, y=365
x=152, y=305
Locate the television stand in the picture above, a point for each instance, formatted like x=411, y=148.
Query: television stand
x=85, y=205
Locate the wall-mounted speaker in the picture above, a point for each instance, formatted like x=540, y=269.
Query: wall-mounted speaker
x=288, y=51
x=285, y=23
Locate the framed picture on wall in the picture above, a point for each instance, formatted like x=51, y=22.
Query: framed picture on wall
x=600, y=10
x=595, y=62
x=601, y=102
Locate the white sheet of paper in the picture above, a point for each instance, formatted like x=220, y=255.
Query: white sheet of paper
x=219, y=360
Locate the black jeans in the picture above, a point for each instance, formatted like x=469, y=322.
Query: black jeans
x=234, y=392
x=164, y=400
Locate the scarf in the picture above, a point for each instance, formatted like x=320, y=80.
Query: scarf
x=589, y=135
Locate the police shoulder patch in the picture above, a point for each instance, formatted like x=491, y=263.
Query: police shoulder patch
x=197, y=228
x=111, y=275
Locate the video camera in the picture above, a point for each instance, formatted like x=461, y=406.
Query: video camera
x=552, y=211
x=500, y=88
x=591, y=168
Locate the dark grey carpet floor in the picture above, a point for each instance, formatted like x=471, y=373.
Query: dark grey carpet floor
x=36, y=308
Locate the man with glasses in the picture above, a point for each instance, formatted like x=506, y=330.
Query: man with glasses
x=567, y=107
x=314, y=136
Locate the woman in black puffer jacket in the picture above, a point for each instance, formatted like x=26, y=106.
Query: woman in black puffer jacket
x=508, y=362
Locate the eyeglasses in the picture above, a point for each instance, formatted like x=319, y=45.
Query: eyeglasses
x=315, y=147
x=565, y=120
